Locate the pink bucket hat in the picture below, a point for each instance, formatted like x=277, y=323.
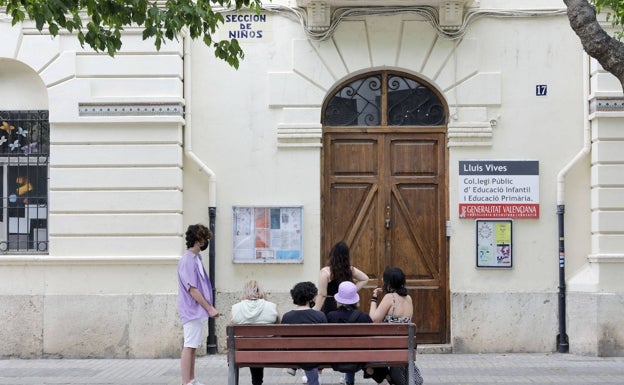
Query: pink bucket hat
x=347, y=293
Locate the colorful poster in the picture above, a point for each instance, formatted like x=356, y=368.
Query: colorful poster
x=494, y=243
x=267, y=234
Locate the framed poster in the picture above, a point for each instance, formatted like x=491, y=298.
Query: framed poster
x=494, y=243
x=267, y=234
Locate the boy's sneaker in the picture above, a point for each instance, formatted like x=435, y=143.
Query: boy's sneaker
x=195, y=382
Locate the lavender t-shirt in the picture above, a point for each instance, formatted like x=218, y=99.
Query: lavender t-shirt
x=191, y=272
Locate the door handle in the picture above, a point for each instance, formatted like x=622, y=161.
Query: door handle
x=388, y=217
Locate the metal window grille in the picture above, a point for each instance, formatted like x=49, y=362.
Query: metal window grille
x=24, y=158
x=385, y=99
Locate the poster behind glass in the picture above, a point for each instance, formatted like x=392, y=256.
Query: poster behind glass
x=494, y=243
x=267, y=234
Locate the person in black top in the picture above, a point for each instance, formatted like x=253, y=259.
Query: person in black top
x=338, y=269
x=303, y=295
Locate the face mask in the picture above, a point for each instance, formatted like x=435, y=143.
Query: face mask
x=205, y=246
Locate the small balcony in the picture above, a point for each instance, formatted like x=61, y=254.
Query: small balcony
x=450, y=12
x=386, y=3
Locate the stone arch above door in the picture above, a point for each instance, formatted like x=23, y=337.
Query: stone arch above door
x=473, y=93
x=384, y=98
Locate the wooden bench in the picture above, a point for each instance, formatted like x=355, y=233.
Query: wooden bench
x=287, y=345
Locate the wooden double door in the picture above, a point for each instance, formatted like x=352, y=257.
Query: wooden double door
x=384, y=192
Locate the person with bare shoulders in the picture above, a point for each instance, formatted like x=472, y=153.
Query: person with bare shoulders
x=395, y=307
x=339, y=269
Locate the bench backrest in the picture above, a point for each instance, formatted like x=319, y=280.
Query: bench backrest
x=274, y=345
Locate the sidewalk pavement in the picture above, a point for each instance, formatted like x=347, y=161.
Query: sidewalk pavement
x=437, y=369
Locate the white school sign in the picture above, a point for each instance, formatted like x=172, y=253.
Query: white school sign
x=498, y=189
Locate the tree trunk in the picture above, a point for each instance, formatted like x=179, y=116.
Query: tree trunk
x=608, y=51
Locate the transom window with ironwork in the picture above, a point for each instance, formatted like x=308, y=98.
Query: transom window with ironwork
x=24, y=156
x=385, y=98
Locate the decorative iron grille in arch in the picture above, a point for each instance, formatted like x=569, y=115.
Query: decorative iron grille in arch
x=406, y=102
x=24, y=158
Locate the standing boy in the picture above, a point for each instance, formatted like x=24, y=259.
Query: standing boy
x=195, y=302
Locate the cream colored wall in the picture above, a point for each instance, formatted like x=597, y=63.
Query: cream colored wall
x=528, y=128
x=235, y=134
x=595, y=291
x=122, y=191
x=115, y=200
x=484, y=77
x=21, y=87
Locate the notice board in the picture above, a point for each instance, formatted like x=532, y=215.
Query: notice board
x=494, y=243
x=268, y=234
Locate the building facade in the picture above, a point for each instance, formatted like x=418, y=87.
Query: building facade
x=471, y=143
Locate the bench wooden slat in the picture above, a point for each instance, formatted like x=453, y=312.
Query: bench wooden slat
x=243, y=358
x=320, y=330
x=349, y=342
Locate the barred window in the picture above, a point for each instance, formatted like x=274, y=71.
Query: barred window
x=24, y=156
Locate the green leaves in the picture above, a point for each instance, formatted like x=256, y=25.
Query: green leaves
x=230, y=51
x=615, y=13
x=105, y=21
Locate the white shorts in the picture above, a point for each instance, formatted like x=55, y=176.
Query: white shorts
x=193, y=333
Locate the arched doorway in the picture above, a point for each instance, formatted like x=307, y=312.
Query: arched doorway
x=384, y=187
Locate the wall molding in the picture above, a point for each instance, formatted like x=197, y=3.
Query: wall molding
x=606, y=104
x=469, y=134
x=299, y=135
x=130, y=109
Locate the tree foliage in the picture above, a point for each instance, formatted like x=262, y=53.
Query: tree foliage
x=99, y=23
x=607, y=50
x=615, y=13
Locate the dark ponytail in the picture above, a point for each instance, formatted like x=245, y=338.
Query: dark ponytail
x=394, y=281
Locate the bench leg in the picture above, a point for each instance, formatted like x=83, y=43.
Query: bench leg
x=411, y=379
